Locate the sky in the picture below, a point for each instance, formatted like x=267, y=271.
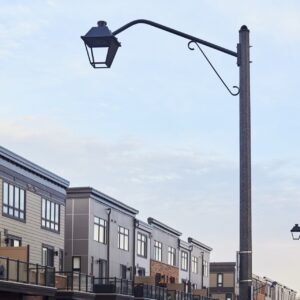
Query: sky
x=158, y=130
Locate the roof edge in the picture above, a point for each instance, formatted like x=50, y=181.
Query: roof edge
x=164, y=226
x=197, y=243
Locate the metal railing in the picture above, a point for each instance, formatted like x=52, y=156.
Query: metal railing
x=113, y=285
x=24, y=272
x=75, y=281
x=150, y=291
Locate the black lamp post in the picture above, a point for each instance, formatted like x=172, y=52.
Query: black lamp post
x=295, y=231
x=102, y=37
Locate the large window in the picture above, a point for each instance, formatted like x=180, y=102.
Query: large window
x=123, y=238
x=100, y=230
x=13, y=201
x=141, y=245
x=171, y=256
x=157, y=250
x=220, y=279
x=47, y=256
x=50, y=215
x=194, y=264
x=184, y=260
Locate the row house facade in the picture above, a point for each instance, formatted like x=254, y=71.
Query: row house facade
x=32, y=225
x=224, y=285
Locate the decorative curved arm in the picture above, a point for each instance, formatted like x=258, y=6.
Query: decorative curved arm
x=176, y=32
x=235, y=87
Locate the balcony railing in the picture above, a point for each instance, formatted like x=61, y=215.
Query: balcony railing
x=24, y=272
x=75, y=281
x=113, y=285
x=150, y=291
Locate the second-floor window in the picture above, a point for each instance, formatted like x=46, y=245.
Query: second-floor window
x=205, y=268
x=157, y=250
x=100, y=230
x=13, y=201
x=184, y=260
x=141, y=244
x=50, y=215
x=220, y=279
x=123, y=238
x=194, y=264
x=171, y=256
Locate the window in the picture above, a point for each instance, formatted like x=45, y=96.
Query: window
x=123, y=272
x=184, y=260
x=100, y=230
x=194, y=264
x=220, y=279
x=141, y=271
x=141, y=245
x=123, y=241
x=228, y=296
x=13, y=241
x=76, y=263
x=47, y=256
x=157, y=250
x=205, y=268
x=13, y=201
x=171, y=256
x=50, y=215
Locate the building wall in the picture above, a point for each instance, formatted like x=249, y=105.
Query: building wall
x=30, y=231
x=164, y=269
x=228, y=279
x=80, y=237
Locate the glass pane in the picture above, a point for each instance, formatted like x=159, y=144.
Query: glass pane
x=43, y=223
x=96, y=232
x=101, y=234
x=11, y=212
x=11, y=195
x=48, y=210
x=43, y=208
x=56, y=213
x=16, y=243
x=5, y=209
x=5, y=193
x=52, y=211
x=22, y=199
x=126, y=242
x=56, y=227
x=96, y=220
x=16, y=213
x=21, y=215
x=17, y=190
x=76, y=262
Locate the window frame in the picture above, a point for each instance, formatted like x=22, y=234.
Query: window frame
x=103, y=227
x=48, y=248
x=44, y=217
x=142, y=245
x=158, y=250
x=195, y=265
x=123, y=238
x=184, y=257
x=220, y=283
x=171, y=256
x=13, y=207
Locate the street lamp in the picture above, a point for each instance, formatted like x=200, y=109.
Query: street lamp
x=102, y=37
x=295, y=231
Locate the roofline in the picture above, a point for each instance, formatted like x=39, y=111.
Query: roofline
x=164, y=226
x=143, y=226
x=197, y=243
x=32, y=167
x=97, y=194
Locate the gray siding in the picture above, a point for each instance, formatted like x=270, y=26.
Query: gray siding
x=31, y=232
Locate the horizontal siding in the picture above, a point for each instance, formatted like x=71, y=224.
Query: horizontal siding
x=31, y=232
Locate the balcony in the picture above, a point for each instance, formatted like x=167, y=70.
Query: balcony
x=25, y=278
x=143, y=291
x=179, y=295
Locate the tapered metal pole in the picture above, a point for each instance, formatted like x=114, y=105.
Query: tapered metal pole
x=245, y=274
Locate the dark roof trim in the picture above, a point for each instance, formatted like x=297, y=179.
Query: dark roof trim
x=32, y=168
x=79, y=192
x=163, y=226
x=199, y=244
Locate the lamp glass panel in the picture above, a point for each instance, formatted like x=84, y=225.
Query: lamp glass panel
x=99, y=55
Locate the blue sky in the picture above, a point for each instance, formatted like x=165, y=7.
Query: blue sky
x=158, y=130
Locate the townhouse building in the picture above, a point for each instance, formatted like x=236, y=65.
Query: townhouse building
x=100, y=234
x=164, y=262
x=143, y=234
x=32, y=211
x=224, y=285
